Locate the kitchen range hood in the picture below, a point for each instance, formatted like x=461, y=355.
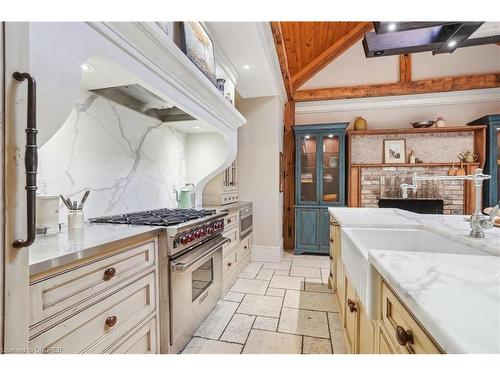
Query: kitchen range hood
x=140, y=99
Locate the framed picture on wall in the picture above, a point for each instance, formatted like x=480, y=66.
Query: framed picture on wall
x=282, y=173
x=394, y=151
x=198, y=47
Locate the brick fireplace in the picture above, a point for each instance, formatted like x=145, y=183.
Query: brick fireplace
x=384, y=182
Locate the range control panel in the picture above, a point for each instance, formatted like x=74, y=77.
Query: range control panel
x=199, y=233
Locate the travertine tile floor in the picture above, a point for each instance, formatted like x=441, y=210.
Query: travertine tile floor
x=274, y=308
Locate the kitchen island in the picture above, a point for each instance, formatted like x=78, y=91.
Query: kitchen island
x=427, y=297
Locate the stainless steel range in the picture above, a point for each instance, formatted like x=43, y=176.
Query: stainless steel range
x=194, y=249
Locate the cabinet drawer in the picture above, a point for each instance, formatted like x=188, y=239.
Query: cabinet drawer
x=142, y=340
x=231, y=220
x=244, y=246
x=229, y=263
x=93, y=329
x=77, y=288
x=232, y=234
x=395, y=317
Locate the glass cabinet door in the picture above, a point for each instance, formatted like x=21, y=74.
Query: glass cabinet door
x=308, y=191
x=331, y=168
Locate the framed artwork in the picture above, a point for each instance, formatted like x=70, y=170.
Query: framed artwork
x=282, y=173
x=394, y=151
x=198, y=47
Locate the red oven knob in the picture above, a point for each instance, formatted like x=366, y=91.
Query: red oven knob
x=197, y=234
x=210, y=230
x=184, y=240
x=202, y=232
x=190, y=237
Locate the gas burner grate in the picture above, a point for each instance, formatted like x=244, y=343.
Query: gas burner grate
x=161, y=217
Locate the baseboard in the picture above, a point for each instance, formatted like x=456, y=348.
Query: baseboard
x=267, y=253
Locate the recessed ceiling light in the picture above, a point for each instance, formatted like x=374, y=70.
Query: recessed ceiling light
x=392, y=26
x=246, y=67
x=196, y=127
x=452, y=43
x=87, y=67
x=330, y=135
x=307, y=136
x=378, y=53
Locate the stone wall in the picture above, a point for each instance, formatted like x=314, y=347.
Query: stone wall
x=384, y=182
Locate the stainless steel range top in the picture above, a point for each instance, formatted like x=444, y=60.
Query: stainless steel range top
x=186, y=228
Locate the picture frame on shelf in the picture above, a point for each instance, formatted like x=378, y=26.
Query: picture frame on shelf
x=198, y=47
x=394, y=151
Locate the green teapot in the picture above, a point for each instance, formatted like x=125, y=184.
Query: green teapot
x=185, y=198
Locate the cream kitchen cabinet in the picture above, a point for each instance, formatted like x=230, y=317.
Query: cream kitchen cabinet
x=223, y=188
x=236, y=253
x=105, y=304
x=395, y=331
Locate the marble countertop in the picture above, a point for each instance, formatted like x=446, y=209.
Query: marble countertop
x=454, y=227
x=455, y=297
x=54, y=250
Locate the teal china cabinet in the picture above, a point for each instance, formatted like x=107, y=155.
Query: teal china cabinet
x=319, y=184
x=491, y=192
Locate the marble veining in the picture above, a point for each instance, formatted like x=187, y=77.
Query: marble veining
x=128, y=161
x=455, y=297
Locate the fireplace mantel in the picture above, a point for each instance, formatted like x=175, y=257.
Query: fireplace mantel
x=472, y=137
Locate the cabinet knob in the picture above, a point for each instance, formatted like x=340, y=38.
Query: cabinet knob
x=245, y=247
x=109, y=273
x=331, y=257
x=331, y=240
x=228, y=220
x=403, y=336
x=229, y=264
x=352, y=305
x=111, y=321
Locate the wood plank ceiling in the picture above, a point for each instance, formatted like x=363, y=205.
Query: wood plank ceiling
x=304, y=48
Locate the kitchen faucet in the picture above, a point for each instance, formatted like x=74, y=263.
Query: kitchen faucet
x=478, y=221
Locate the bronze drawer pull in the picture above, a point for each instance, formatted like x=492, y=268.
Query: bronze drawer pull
x=111, y=321
x=109, y=273
x=352, y=305
x=403, y=336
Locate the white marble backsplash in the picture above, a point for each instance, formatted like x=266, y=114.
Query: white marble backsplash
x=128, y=161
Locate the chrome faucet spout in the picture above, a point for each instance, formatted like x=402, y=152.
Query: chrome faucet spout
x=478, y=221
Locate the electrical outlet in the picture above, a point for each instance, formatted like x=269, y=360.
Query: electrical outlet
x=43, y=186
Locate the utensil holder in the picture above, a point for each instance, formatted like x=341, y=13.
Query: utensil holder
x=75, y=219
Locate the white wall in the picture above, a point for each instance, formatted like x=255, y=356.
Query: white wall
x=353, y=68
x=259, y=145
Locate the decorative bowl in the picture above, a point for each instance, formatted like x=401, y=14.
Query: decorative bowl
x=422, y=124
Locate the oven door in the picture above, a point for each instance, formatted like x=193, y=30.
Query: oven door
x=195, y=288
x=246, y=219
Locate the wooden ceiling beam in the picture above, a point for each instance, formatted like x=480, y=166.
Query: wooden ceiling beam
x=331, y=53
x=282, y=57
x=480, y=81
x=405, y=67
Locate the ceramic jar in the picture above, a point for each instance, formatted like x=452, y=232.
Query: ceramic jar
x=360, y=123
x=440, y=122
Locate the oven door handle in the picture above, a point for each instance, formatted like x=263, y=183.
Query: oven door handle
x=183, y=267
